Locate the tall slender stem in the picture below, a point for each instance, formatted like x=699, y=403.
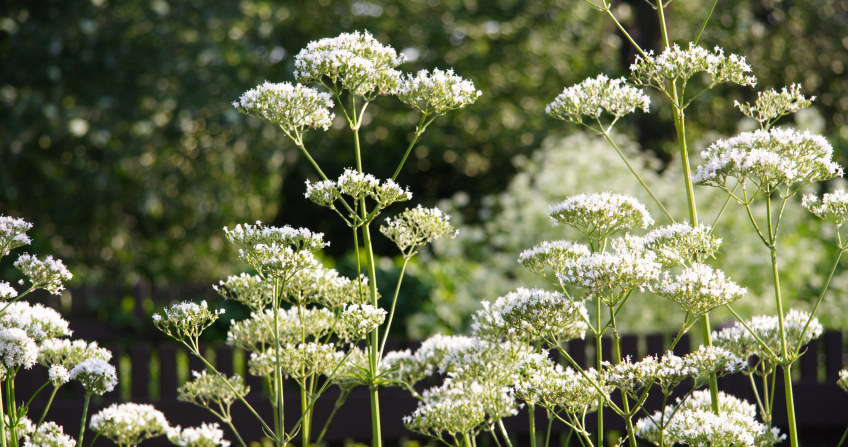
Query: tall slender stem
x=790, y=405
x=2, y=419
x=374, y=337
x=278, y=369
x=599, y=365
x=531, y=414
x=616, y=345
x=84, y=415
x=636, y=174
x=394, y=305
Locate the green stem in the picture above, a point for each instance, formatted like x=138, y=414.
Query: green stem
x=503, y=432
x=47, y=408
x=278, y=369
x=790, y=405
x=84, y=415
x=392, y=311
x=419, y=129
x=548, y=432
x=339, y=402
x=12, y=409
x=708, y=341
x=706, y=19
x=815, y=308
x=616, y=345
x=2, y=419
x=531, y=414
x=599, y=366
x=636, y=174
x=235, y=432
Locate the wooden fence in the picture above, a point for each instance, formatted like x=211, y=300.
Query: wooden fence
x=150, y=370
x=152, y=373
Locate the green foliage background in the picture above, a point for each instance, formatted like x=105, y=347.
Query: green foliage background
x=117, y=138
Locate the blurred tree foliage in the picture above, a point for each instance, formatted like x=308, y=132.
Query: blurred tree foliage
x=117, y=138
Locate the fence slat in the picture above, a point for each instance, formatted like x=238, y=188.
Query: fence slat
x=832, y=354
x=140, y=371
x=168, y=371
x=810, y=363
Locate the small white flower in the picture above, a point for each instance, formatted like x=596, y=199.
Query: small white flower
x=677, y=64
x=206, y=435
x=833, y=207
x=13, y=234
x=38, y=321
x=186, y=319
x=699, y=289
x=7, y=292
x=357, y=320
x=414, y=227
x=293, y=107
x=48, y=274
x=58, y=375
x=129, y=423
x=593, y=97
x=771, y=104
x=352, y=61
x=768, y=159
x=599, y=215
x=438, y=92
x=49, y=434
x=96, y=376
x=17, y=349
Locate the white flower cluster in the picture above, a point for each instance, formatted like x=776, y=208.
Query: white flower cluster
x=206, y=435
x=250, y=290
x=256, y=333
x=438, y=92
x=415, y=227
x=677, y=64
x=129, y=423
x=48, y=274
x=324, y=287
x=610, y=275
x=833, y=207
x=58, y=375
x=13, y=234
x=680, y=244
x=593, y=97
x=670, y=370
x=740, y=341
x=552, y=386
x=692, y=422
x=186, y=320
x=293, y=107
x=49, y=434
x=769, y=158
x=534, y=312
x=17, y=349
x=67, y=353
x=205, y=389
x=599, y=215
x=454, y=408
x=842, y=382
x=96, y=376
x=553, y=255
x=37, y=321
x=354, y=61
x=699, y=289
x=357, y=320
x=298, y=361
x=7, y=292
x=276, y=251
x=771, y=104
x=358, y=186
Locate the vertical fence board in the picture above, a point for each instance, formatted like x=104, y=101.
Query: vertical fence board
x=832, y=354
x=655, y=344
x=810, y=363
x=140, y=371
x=168, y=371
x=224, y=359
